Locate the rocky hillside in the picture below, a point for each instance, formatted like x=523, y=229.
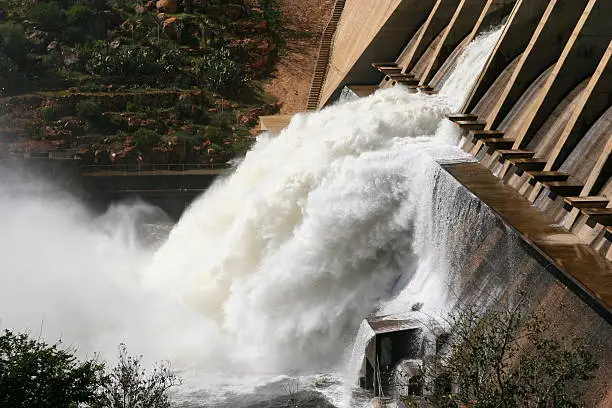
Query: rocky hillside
x=122, y=81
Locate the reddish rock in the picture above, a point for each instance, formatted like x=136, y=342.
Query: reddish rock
x=234, y=11
x=260, y=63
x=167, y=6
x=261, y=27
x=150, y=6
x=172, y=27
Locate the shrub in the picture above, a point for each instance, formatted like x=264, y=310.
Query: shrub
x=35, y=374
x=146, y=138
x=129, y=386
x=48, y=114
x=504, y=359
x=130, y=61
x=79, y=15
x=13, y=42
x=48, y=15
x=220, y=72
x=88, y=109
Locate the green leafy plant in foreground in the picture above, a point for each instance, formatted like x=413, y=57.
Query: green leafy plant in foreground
x=129, y=386
x=36, y=374
x=505, y=359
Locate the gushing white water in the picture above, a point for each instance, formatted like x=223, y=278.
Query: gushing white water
x=273, y=269
x=469, y=65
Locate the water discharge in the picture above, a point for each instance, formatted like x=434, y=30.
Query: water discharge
x=273, y=269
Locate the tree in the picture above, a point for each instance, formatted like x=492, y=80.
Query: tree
x=505, y=359
x=48, y=15
x=13, y=42
x=129, y=386
x=146, y=138
x=35, y=374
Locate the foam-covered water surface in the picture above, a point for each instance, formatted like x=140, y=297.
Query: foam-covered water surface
x=267, y=276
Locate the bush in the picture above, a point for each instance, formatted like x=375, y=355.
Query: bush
x=504, y=359
x=146, y=138
x=221, y=73
x=88, y=109
x=35, y=374
x=48, y=114
x=125, y=61
x=129, y=386
x=13, y=42
x=79, y=16
x=47, y=15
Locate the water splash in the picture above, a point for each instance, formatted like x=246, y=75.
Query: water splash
x=273, y=269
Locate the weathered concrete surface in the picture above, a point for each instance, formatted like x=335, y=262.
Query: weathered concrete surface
x=543, y=50
x=521, y=24
x=579, y=266
x=593, y=103
x=370, y=31
x=466, y=16
x=274, y=124
x=583, y=52
x=437, y=20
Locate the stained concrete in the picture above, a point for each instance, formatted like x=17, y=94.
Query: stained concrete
x=521, y=24
x=579, y=59
x=466, y=17
x=543, y=50
x=577, y=264
x=370, y=32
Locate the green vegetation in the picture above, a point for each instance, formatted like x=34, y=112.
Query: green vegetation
x=505, y=359
x=110, y=67
x=36, y=374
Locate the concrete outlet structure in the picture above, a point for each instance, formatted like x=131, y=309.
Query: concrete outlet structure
x=538, y=120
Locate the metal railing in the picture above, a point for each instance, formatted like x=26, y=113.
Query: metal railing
x=140, y=168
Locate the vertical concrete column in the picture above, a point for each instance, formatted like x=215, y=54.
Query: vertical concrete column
x=543, y=50
x=370, y=31
x=463, y=22
x=578, y=61
x=594, y=101
x=439, y=18
x=520, y=26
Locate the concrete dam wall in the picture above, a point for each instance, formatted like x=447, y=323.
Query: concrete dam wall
x=538, y=121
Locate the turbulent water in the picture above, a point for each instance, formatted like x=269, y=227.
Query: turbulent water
x=268, y=275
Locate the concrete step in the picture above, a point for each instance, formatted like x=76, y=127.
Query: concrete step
x=563, y=188
x=541, y=176
x=496, y=143
x=528, y=164
x=585, y=202
x=483, y=134
x=455, y=117
x=596, y=216
x=470, y=125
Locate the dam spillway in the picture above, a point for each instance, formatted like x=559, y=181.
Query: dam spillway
x=537, y=120
x=364, y=208
x=538, y=117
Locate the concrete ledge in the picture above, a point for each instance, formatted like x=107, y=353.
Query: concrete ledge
x=274, y=124
x=574, y=263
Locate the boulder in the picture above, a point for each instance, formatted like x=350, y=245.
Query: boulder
x=167, y=6
x=172, y=27
x=261, y=27
x=234, y=11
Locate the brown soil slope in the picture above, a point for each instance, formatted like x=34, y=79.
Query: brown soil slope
x=290, y=82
